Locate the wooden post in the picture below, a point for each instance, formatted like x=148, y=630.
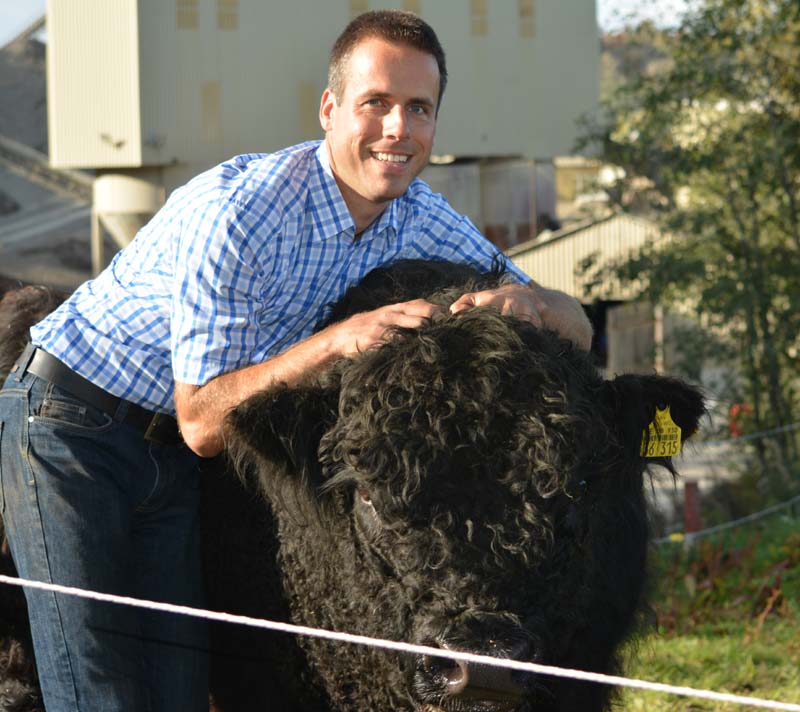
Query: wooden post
x=691, y=507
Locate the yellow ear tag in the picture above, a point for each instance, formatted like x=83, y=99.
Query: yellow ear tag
x=664, y=436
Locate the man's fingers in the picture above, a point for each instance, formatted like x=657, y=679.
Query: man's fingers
x=526, y=312
x=408, y=314
x=534, y=319
x=465, y=301
x=510, y=301
x=417, y=307
x=366, y=330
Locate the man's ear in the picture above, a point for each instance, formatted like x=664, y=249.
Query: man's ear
x=327, y=106
x=633, y=401
x=276, y=433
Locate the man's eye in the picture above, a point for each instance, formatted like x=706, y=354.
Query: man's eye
x=418, y=109
x=373, y=102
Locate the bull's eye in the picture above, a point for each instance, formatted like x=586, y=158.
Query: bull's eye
x=365, y=510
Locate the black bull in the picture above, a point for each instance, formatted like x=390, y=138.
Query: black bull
x=471, y=485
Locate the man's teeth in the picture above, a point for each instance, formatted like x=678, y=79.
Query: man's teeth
x=390, y=157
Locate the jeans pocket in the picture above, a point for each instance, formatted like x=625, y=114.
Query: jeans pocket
x=60, y=408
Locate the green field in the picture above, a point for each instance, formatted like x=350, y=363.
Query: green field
x=727, y=614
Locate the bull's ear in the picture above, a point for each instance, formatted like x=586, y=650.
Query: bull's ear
x=634, y=401
x=278, y=431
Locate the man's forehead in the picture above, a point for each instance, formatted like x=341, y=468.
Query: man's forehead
x=377, y=65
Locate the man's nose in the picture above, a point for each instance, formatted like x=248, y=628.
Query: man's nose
x=395, y=123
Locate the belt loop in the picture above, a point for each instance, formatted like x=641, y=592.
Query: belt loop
x=120, y=411
x=21, y=365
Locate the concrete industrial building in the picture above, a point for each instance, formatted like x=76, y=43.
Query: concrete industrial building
x=155, y=91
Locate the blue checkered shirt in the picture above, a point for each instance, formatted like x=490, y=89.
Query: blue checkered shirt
x=240, y=264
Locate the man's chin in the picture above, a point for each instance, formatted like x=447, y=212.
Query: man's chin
x=388, y=197
x=385, y=191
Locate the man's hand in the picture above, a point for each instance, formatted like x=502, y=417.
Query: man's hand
x=546, y=308
x=202, y=409
x=511, y=300
x=363, y=331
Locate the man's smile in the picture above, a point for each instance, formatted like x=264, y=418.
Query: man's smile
x=390, y=157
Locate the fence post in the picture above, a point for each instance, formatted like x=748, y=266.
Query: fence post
x=691, y=507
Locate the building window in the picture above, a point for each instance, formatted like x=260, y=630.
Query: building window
x=228, y=14
x=186, y=18
x=412, y=6
x=357, y=7
x=527, y=18
x=479, y=23
x=211, y=111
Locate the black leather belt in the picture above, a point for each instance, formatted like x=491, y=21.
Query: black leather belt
x=156, y=427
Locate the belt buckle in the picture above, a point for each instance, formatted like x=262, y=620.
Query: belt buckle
x=157, y=433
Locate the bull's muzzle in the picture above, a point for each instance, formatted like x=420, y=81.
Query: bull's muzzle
x=471, y=680
x=460, y=682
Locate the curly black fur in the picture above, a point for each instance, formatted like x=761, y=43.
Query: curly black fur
x=472, y=480
x=472, y=484
x=19, y=691
x=19, y=310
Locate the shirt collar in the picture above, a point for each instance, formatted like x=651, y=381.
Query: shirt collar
x=330, y=211
x=337, y=218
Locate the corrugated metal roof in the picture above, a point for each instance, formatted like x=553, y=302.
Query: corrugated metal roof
x=554, y=260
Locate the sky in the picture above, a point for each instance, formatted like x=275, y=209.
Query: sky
x=16, y=15
x=614, y=14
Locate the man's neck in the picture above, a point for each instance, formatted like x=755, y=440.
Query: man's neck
x=364, y=212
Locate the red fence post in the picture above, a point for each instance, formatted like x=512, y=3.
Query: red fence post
x=691, y=507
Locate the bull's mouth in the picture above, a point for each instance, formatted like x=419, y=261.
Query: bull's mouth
x=473, y=706
x=478, y=701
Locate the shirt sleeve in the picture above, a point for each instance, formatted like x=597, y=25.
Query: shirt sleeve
x=449, y=235
x=217, y=299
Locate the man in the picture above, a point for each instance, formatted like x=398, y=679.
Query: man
x=216, y=298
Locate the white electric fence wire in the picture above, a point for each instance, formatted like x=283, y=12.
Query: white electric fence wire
x=404, y=647
x=746, y=438
x=689, y=537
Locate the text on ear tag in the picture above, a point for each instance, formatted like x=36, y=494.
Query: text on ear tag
x=663, y=436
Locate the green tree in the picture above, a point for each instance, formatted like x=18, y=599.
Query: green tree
x=710, y=144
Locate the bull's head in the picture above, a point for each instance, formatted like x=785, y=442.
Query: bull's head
x=471, y=485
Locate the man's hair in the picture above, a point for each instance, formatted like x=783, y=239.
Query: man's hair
x=395, y=26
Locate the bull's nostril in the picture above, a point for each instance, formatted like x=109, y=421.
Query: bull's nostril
x=453, y=674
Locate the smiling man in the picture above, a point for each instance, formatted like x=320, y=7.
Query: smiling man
x=380, y=123
x=218, y=297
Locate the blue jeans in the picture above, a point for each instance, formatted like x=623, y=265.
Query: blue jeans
x=88, y=502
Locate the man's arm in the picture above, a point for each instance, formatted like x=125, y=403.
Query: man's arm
x=202, y=409
x=548, y=308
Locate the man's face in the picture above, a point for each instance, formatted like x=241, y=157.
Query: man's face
x=381, y=133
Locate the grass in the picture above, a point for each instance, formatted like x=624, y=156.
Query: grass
x=728, y=620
